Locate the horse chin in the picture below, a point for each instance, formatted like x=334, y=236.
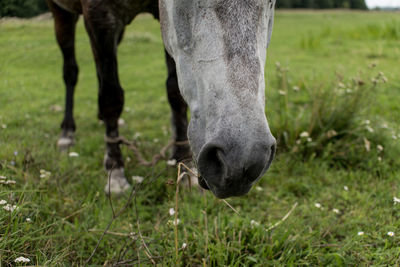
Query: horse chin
x=203, y=183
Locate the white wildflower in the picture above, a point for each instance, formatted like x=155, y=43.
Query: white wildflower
x=296, y=88
x=137, y=135
x=128, y=159
x=171, y=162
x=318, y=205
x=298, y=142
x=254, y=223
x=137, y=179
x=341, y=85
x=2, y=177
x=367, y=144
x=3, y=202
x=121, y=122
x=171, y=211
x=304, y=134
x=10, y=182
x=360, y=233
x=22, y=259
x=184, y=245
x=369, y=129
x=282, y=92
x=379, y=147
x=394, y=137
x=44, y=174
x=396, y=200
x=259, y=188
x=331, y=133
x=172, y=222
x=9, y=207
x=379, y=159
x=336, y=211
x=73, y=154
x=390, y=233
x=367, y=122
x=4, y=126
x=28, y=220
x=56, y=108
x=309, y=139
x=346, y=188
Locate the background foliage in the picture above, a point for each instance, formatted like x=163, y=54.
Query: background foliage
x=322, y=4
x=30, y=8
x=22, y=8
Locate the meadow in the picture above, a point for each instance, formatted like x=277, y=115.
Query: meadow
x=329, y=199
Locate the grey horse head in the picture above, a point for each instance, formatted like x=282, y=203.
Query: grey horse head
x=219, y=47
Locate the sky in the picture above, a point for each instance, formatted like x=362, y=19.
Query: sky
x=383, y=3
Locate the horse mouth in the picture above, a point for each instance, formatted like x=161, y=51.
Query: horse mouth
x=203, y=183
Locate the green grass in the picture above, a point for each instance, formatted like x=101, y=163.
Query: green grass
x=316, y=52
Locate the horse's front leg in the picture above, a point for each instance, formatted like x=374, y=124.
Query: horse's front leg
x=104, y=36
x=181, y=150
x=65, y=23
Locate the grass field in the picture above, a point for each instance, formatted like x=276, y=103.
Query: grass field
x=344, y=179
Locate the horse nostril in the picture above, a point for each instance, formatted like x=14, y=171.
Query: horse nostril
x=212, y=164
x=271, y=155
x=259, y=162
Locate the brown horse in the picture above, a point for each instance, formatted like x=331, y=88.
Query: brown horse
x=217, y=48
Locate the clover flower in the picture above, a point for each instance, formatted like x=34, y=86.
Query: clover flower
x=73, y=154
x=137, y=179
x=10, y=208
x=336, y=211
x=44, y=174
x=22, y=260
x=171, y=162
x=171, y=211
x=304, y=134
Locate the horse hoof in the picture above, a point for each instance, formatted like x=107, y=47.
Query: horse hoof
x=64, y=143
x=117, y=183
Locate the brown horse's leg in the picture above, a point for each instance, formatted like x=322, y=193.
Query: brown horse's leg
x=105, y=31
x=65, y=23
x=181, y=151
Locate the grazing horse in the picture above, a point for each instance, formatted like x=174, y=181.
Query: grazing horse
x=215, y=53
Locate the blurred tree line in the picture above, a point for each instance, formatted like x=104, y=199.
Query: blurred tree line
x=321, y=4
x=30, y=8
x=22, y=8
